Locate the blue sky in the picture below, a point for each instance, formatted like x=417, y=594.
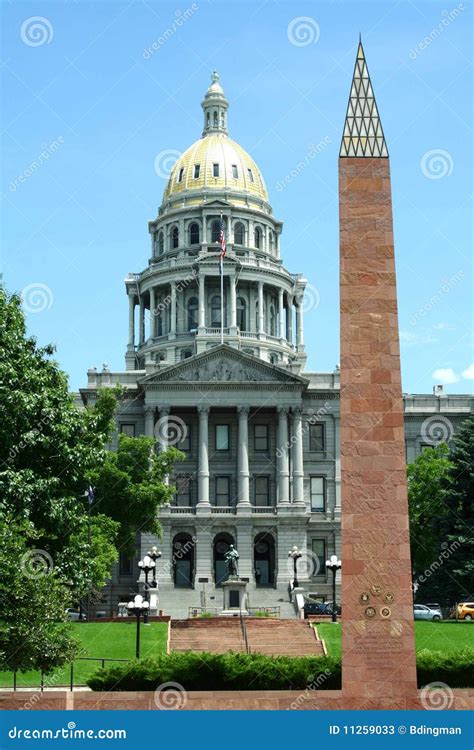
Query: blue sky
x=79, y=86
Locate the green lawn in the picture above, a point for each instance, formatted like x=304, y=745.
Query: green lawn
x=434, y=636
x=104, y=640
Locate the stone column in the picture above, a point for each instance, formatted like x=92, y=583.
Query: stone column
x=162, y=429
x=299, y=322
x=298, y=470
x=289, y=319
x=202, y=300
x=261, y=324
x=282, y=457
x=173, y=310
x=281, y=322
x=131, y=320
x=203, y=460
x=233, y=302
x=149, y=421
x=243, y=499
x=152, y=313
x=141, y=332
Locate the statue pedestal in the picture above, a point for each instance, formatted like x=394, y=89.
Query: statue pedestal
x=235, y=596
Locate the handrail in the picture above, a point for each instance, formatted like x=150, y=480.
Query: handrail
x=244, y=633
x=71, y=673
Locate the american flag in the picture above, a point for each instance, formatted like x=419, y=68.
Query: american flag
x=222, y=241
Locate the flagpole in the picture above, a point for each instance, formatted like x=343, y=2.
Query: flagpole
x=222, y=294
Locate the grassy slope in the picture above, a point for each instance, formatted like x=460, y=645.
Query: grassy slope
x=109, y=640
x=434, y=636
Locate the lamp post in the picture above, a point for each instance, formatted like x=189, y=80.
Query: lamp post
x=295, y=554
x=148, y=565
x=333, y=564
x=138, y=607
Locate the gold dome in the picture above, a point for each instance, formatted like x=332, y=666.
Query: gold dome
x=195, y=169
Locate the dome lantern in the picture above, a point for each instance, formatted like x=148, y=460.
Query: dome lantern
x=215, y=107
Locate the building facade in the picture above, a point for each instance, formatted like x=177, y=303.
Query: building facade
x=215, y=365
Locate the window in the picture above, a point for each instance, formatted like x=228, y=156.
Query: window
x=175, y=237
x=161, y=243
x=192, y=313
x=241, y=314
x=197, y=171
x=222, y=437
x=215, y=119
x=127, y=429
x=194, y=234
x=272, y=320
x=257, y=236
x=184, y=485
x=318, y=547
x=185, y=443
x=260, y=437
x=262, y=495
x=317, y=437
x=271, y=239
x=215, y=231
x=125, y=565
x=223, y=491
x=215, y=170
x=235, y=172
x=317, y=492
x=180, y=174
x=274, y=358
x=239, y=234
x=216, y=311
x=250, y=174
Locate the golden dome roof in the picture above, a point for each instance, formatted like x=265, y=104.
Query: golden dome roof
x=215, y=161
x=195, y=169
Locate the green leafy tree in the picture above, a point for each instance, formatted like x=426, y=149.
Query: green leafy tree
x=130, y=487
x=453, y=581
x=427, y=490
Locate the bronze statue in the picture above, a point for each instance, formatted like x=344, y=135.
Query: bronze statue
x=231, y=560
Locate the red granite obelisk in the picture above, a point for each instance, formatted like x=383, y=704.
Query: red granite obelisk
x=378, y=649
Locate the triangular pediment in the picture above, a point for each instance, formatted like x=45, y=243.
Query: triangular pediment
x=224, y=364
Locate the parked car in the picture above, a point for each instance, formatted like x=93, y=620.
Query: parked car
x=314, y=608
x=465, y=611
x=74, y=615
x=423, y=612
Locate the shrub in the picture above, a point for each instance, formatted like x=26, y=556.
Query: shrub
x=454, y=668
x=230, y=671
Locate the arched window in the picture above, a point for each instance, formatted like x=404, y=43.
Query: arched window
x=192, y=313
x=271, y=238
x=194, y=234
x=183, y=551
x=239, y=234
x=215, y=231
x=215, y=119
x=161, y=243
x=216, y=311
x=175, y=237
x=208, y=119
x=257, y=237
x=241, y=314
x=273, y=358
x=272, y=320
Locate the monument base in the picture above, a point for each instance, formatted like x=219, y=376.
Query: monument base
x=235, y=597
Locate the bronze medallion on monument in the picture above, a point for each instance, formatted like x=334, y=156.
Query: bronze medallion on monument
x=364, y=598
x=370, y=612
x=388, y=597
x=376, y=589
x=385, y=612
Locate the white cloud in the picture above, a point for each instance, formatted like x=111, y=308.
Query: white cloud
x=408, y=338
x=445, y=375
x=468, y=373
x=444, y=327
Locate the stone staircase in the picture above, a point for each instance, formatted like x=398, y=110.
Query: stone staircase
x=264, y=635
x=282, y=637
x=216, y=635
x=177, y=602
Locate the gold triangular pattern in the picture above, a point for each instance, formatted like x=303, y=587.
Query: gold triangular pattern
x=363, y=133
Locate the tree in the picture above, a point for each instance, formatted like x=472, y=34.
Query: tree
x=48, y=448
x=130, y=487
x=427, y=490
x=453, y=573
